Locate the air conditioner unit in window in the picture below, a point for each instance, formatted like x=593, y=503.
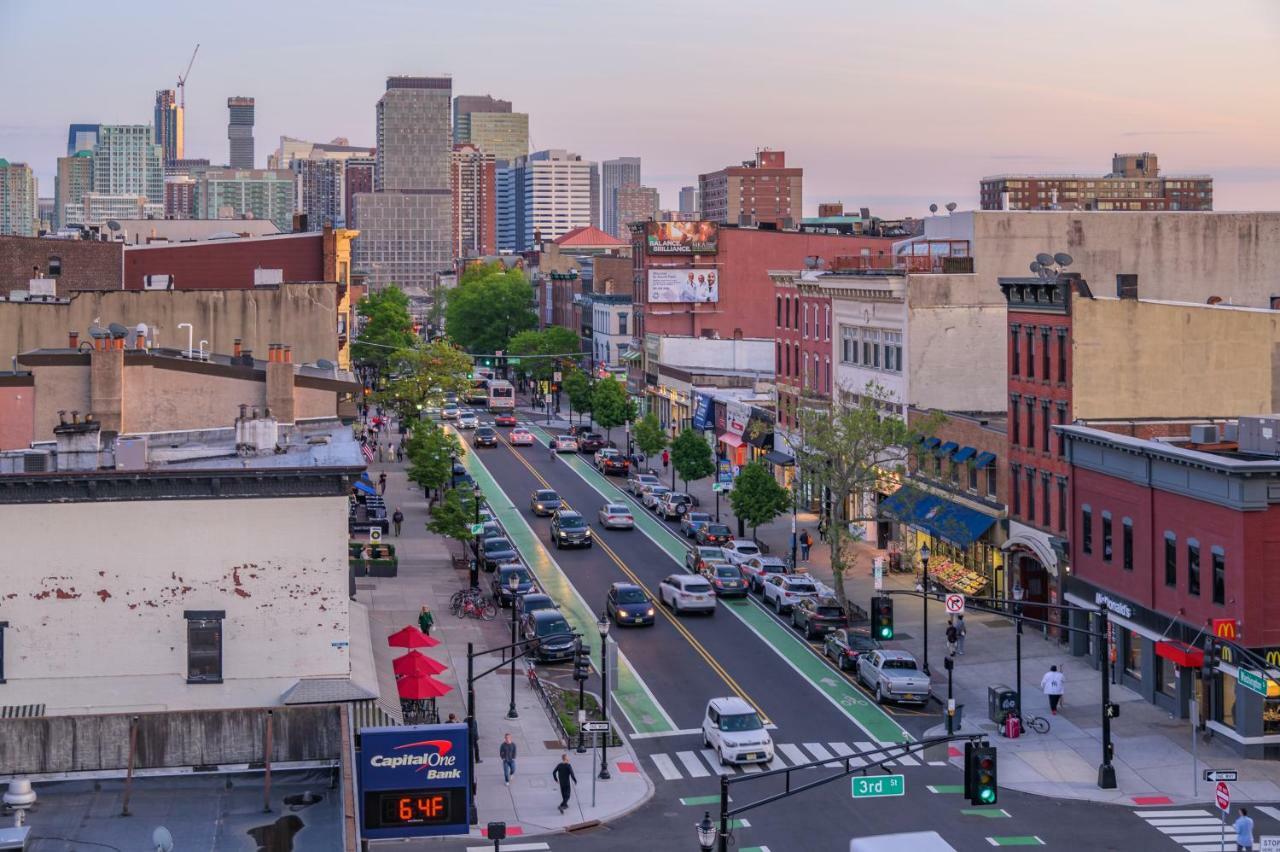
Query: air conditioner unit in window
x=157, y=282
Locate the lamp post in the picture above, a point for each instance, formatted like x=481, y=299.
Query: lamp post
x=950, y=662
x=794, y=487
x=475, y=563
x=706, y=833
x=513, y=584
x=924, y=603
x=603, y=626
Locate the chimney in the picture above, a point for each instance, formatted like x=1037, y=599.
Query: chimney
x=235, y=348
x=73, y=339
x=140, y=341
x=280, y=383
x=1127, y=285
x=288, y=354
x=106, y=386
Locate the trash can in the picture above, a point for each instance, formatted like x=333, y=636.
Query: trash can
x=958, y=720
x=1001, y=700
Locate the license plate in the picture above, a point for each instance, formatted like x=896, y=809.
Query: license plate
x=753, y=755
x=908, y=696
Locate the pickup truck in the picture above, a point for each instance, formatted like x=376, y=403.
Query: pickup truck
x=893, y=676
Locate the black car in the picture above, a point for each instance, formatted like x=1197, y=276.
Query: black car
x=816, y=617
x=549, y=634
x=544, y=501
x=713, y=534
x=579, y=430
x=533, y=602
x=628, y=604
x=460, y=476
x=493, y=529
x=570, y=529
x=843, y=647
x=591, y=442
x=498, y=551
x=501, y=583
x=486, y=436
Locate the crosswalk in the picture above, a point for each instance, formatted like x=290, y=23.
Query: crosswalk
x=1196, y=830
x=703, y=762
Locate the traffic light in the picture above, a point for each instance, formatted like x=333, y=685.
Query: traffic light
x=581, y=661
x=882, y=617
x=980, y=773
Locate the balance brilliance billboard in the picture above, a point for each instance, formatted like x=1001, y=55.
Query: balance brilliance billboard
x=414, y=781
x=684, y=285
x=701, y=237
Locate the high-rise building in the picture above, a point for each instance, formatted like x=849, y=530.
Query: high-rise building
x=624, y=171
x=180, y=197
x=240, y=132
x=44, y=213
x=246, y=193
x=320, y=192
x=510, y=192
x=357, y=177
x=97, y=209
x=168, y=125
x=475, y=202
x=189, y=167
x=689, y=201
x=1135, y=183
x=634, y=204
x=404, y=222
x=128, y=162
x=300, y=149
x=762, y=191
x=557, y=194
x=74, y=179
x=489, y=124
x=18, y=213
x=81, y=137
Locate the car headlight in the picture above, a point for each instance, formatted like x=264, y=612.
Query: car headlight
x=650, y=612
x=622, y=613
x=588, y=533
x=563, y=534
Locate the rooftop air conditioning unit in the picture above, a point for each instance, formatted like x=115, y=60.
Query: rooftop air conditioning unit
x=1204, y=434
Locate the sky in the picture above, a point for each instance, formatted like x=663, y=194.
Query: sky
x=890, y=106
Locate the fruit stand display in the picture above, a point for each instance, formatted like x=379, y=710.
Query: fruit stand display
x=957, y=577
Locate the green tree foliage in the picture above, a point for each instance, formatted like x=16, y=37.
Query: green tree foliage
x=757, y=497
x=430, y=451
x=610, y=405
x=422, y=375
x=536, y=347
x=650, y=437
x=691, y=457
x=578, y=388
x=387, y=327
x=489, y=306
x=453, y=516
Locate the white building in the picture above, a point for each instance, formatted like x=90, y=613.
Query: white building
x=612, y=324
x=560, y=192
x=98, y=208
x=18, y=215
x=127, y=161
x=615, y=174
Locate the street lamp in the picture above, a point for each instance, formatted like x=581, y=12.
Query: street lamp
x=475, y=541
x=603, y=626
x=706, y=832
x=925, y=553
x=513, y=585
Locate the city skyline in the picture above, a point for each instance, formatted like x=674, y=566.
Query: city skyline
x=895, y=130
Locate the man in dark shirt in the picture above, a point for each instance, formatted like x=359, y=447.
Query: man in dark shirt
x=507, y=751
x=563, y=773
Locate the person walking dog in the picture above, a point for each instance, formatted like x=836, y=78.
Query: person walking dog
x=563, y=773
x=507, y=751
x=1052, y=685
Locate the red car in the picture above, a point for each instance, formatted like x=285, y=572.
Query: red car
x=507, y=419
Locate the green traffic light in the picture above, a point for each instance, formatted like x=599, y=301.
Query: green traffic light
x=988, y=795
x=886, y=633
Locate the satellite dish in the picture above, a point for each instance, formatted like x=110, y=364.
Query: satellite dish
x=933, y=208
x=1035, y=266
x=951, y=207
x=162, y=840
x=1044, y=259
x=113, y=225
x=325, y=364
x=117, y=330
x=1063, y=259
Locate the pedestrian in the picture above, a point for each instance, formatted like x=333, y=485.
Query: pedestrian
x=382, y=477
x=397, y=518
x=507, y=751
x=822, y=529
x=426, y=620
x=1051, y=685
x=1244, y=831
x=563, y=773
x=666, y=459
x=452, y=720
x=953, y=636
x=960, y=633
x=806, y=542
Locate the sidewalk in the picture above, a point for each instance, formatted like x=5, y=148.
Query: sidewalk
x=426, y=576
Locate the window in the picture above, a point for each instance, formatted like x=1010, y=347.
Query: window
x=806, y=321
x=804, y=378
x=1044, y=426
x=787, y=349
x=3, y=625
x=892, y=350
x=1044, y=353
x=1015, y=430
x=827, y=320
x=973, y=479
x=1219, y=558
x=787, y=324
x=55, y=266
x=795, y=312
x=1170, y=559
x=1015, y=351
x=778, y=321
x=622, y=323
x=1106, y=536
x=993, y=477
x=828, y=360
x=1132, y=652
x=1031, y=424
x=1031, y=494
x=777, y=356
x=1045, y=504
x=1062, y=355
x=1193, y=567
x=1062, y=504
x=1015, y=502
x=204, y=645
x=937, y=466
x=1126, y=526
x=1062, y=438
x=1031, y=353
x=955, y=472
x=1086, y=528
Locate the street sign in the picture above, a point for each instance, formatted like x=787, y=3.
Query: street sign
x=1220, y=775
x=595, y=727
x=1269, y=843
x=955, y=604
x=1250, y=679
x=555, y=377
x=476, y=529
x=1222, y=796
x=877, y=786
x=716, y=486
x=375, y=535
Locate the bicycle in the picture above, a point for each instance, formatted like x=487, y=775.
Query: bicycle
x=485, y=610
x=463, y=598
x=1039, y=724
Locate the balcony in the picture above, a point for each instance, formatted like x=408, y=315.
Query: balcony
x=937, y=257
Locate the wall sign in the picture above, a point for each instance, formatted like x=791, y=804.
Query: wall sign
x=414, y=782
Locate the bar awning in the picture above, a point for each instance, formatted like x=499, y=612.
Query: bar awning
x=930, y=443
x=941, y=517
x=630, y=356
x=781, y=459
x=984, y=459
x=947, y=449
x=730, y=439
x=963, y=454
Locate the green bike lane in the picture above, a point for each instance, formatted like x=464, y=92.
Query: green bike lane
x=627, y=689
x=793, y=651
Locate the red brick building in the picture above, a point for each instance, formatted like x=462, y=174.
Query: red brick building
x=758, y=192
x=357, y=177
x=802, y=347
x=74, y=264
x=220, y=264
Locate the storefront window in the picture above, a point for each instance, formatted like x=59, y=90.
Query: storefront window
x=1271, y=715
x=1193, y=567
x=1228, y=700
x=1133, y=654
x=1166, y=677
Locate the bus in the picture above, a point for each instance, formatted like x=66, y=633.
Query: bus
x=501, y=395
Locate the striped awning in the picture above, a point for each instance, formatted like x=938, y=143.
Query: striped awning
x=21, y=711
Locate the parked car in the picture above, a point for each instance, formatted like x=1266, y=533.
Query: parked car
x=701, y=555
x=637, y=481
x=726, y=579
x=690, y=522
x=628, y=604
x=757, y=569
x=816, y=617
x=570, y=529
x=687, y=593
x=521, y=438
x=549, y=635
x=544, y=502
x=651, y=496
x=783, y=591
x=460, y=476
x=611, y=462
x=717, y=534
x=616, y=516
x=733, y=729
x=493, y=528
x=449, y=411
x=564, y=444
x=533, y=602
x=843, y=647
x=590, y=442
x=893, y=676
x=498, y=551
x=580, y=430
x=674, y=504
x=501, y=584
x=486, y=436
x=506, y=418
x=467, y=419
x=739, y=550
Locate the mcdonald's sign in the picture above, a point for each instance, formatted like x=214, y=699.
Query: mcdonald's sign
x=1225, y=628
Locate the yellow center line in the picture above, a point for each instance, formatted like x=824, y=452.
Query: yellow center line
x=684, y=631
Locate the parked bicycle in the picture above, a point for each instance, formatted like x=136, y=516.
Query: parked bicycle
x=1039, y=724
x=467, y=600
x=482, y=609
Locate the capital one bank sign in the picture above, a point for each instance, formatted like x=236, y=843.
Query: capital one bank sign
x=414, y=781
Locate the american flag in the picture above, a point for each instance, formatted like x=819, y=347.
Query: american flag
x=368, y=452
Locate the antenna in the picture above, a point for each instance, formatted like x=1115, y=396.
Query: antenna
x=182, y=79
x=1044, y=259
x=1063, y=259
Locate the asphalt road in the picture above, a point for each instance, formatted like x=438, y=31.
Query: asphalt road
x=685, y=660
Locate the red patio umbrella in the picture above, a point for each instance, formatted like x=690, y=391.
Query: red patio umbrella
x=416, y=664
x=411, y=637
x=419, y=688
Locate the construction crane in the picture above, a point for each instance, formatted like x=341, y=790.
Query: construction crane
x=182, y=79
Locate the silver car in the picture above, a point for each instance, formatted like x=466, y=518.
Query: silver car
x=616, y=516
x=651, y=495
x=468, y=420
x=893, y=676
x=637, y=481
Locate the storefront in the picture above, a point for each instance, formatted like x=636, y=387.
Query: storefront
x=964, y=555
x=1035, y=560
x=730, y=444
x=758, y=435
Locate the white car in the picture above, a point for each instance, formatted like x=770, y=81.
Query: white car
x=637, y=481
x=757, y=569
x=651, y=495
x=733, y=729
x=740, y=550
x=616, y=516
x=520, y=438
x=687, y=593
x=783, y=591
x=565, y=444
x=468, y=420
x=449, y=412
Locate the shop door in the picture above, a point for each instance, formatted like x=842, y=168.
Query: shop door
x=1035, y=584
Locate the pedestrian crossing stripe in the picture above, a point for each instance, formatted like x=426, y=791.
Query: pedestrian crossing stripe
x=1196, y=830
x=704, y=762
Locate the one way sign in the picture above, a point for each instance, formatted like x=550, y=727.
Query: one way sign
x=1220, y=775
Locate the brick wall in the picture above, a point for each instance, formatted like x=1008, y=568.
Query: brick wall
x=85, y=265
x=221, y=265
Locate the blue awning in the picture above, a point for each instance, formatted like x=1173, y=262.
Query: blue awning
x=984, y=459
x=936, y=515
x=947, y=449
x=361, y=485
x=930, y=443
x=964, y=455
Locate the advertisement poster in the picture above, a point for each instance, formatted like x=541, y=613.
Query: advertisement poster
x=684, y=285
x=681, y=237
x=703, y=417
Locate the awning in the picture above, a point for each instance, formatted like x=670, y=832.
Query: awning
x=984, y=459
x=782, y=459
x=930, y=443
x=630, y=356
x=936, y=515
x=947, y=449
x=361, y=485
x=964, y=454
x=730, y=439
x=1039, y=544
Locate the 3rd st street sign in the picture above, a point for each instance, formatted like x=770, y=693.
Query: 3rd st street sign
x=879, y=785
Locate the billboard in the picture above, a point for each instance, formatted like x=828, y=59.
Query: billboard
x=414, y=781
x=684, y=285
x=699, y=237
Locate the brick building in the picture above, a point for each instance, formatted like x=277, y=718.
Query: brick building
x=475, y=202
x=74, y=264
x=762, y=191
x=1134, y=183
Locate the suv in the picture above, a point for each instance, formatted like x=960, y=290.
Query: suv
x=757, y=569
x=612, y=461
x=739, y=550
x=717, y=534
x=498, y=551
x=674, y=504
x=637, y=481
x=784, y=591
x=628, y=604
x=486, y=436
x=570, y=529
x=726, y=579
x=691, y=521
x=815, y=617
x=579, y=430
x=701, y=556
x=533, y=602
x=590, y=442
x=733, y=729
x=501, y=584
x=549, y=635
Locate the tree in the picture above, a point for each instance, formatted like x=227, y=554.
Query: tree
x=423, y=375
x=453, y=516
x=847, y=452
x=691, y=457
x=757, y=498
x=649, y=434
x=387, y=327
x=431, y=451
x=489, y=307
x=610, y=405
x=578, y=388
x=536, y=349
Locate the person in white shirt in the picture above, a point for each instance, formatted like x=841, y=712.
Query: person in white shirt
x=1051, y=684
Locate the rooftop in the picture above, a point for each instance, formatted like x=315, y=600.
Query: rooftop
x=587, y=236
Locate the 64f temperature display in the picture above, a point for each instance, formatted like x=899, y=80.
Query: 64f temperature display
x=403, y=808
